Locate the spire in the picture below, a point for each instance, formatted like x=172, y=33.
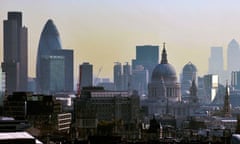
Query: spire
x=227, y=107
x=193, y=92
x=164, y=55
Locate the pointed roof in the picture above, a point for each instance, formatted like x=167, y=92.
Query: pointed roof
x=164, y=55
x=50, y=28
x=233, y=44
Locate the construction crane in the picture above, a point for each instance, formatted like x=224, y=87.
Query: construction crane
x=99, y=71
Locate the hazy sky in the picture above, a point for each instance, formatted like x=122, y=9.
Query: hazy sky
x=105, y=31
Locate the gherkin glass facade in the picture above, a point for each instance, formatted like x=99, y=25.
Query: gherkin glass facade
x=58, y=76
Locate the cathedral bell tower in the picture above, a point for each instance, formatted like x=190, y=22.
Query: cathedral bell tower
x=227, y=107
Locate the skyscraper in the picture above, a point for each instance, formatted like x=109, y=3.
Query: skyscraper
x=53, y=74
x=233, y=52
x=211, y=83
x=50, y=45
x=140, y=80
x=235, y=79
x=68, y=62
x=189, y=74
x=117, y=75
x=15, y=63
x=86, y=75
x=126, y=77
x=147, y=56
x=215, y=61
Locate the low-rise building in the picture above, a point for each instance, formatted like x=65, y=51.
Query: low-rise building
x=97, y=108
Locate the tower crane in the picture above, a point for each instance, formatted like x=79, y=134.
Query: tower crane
x=99, y=71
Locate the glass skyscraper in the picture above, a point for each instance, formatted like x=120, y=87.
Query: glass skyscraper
x=147, y=56
x=86, y=75
x=50, y=46
x=15, y=63
x=53, y=74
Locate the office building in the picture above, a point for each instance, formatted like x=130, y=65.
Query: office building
x=50, y=45
x=147, y=56
x=211, y=83
x=52, y=76
x=140, y=80
x=235, y=80
x=15, y=63
x=127, y=84
x=233, y=58
x=43, y=112
x=216, y=64
x=117, y=76
x=86, y=75
x=97, y=106
x=68, y=65
x=189, y=73
x=215, y=61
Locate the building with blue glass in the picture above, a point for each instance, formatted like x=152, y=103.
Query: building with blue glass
x=49, y=51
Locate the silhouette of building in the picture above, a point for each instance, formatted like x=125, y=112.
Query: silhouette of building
x=189, y=74
x=193, y=93
x=86, y=75
x=2, y=81
x=127, y=84
x=235, y=79
x=15, y=62
x=164, y=92
x=216, y=64
x=211, y=83
x=140, y=80
x=117, y=76
x=227, y=107
x=97, y=107
x=148, y=57
x=164, y=75
x=50, y=45
x=43, y=112
x=68, y=65
x=233, y=58
x=215, y=61
x=53, y=74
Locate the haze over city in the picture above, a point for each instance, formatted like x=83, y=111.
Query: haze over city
x=103, y=32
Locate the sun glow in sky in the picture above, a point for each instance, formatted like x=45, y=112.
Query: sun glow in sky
x=105, y=31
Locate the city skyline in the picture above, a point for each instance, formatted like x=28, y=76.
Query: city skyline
x=94, y=30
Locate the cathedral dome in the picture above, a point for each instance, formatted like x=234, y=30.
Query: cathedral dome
x=189, y=67
x=163, y=71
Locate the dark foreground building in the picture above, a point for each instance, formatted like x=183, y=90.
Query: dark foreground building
x=15, y=51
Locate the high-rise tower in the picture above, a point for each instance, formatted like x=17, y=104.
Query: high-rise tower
x=86, y=75
x=15, y=63
x=117, y=75
x=233, y=58
x=126, y=77
x=50, y=45
x=189, y=74
x=53, y=74
x=215, y=61
x=148, y=57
